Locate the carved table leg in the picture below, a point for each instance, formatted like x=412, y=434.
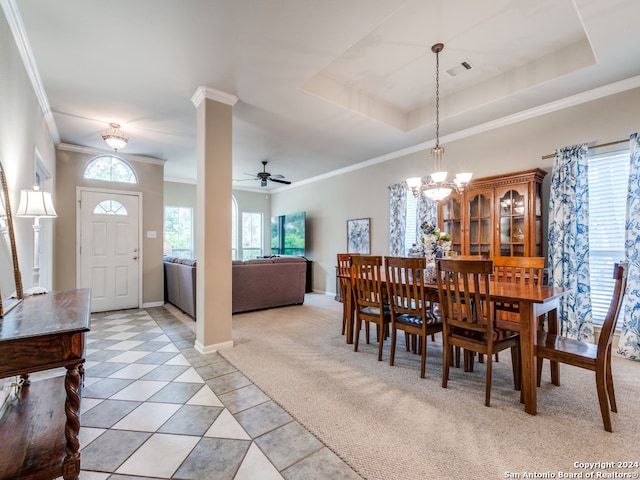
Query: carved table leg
x=72, y=385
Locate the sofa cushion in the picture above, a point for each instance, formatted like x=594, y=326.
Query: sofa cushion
x=288, y=259
x=258, y=261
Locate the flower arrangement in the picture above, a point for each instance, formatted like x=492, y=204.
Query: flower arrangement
x=432, y=244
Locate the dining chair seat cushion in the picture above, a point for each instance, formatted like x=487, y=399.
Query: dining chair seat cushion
x=375, y=310
x=405, y=319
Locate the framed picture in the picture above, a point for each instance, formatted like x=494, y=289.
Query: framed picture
x=359, y=236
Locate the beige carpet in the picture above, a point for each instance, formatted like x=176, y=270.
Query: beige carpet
x=387, y=423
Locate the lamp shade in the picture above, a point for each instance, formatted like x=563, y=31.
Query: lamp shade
x=35, y=203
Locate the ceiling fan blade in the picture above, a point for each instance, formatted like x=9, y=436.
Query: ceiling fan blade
x=244, y=179
x=277, y=175
x=284, y=182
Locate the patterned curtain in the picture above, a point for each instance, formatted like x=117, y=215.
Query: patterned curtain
x=397, y=218
x=427, y=211
x=569, y=240
x=630, y=334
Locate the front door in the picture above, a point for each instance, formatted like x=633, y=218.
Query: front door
x=109, y=249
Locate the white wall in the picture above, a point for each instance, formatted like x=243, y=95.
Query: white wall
x=364, y=193
x=22, y=130
x=255, y=202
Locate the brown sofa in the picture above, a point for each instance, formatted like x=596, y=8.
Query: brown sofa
x=257, y=284
x=268, y=282
x=180, y=284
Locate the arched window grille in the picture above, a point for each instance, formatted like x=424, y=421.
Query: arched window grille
x=109, y=168
x=110, y=207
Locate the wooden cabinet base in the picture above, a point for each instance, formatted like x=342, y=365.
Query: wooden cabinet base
x=33, y=435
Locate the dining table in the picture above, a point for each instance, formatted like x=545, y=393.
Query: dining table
x=533, y=300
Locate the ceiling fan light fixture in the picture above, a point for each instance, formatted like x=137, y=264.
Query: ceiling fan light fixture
x=115, y=137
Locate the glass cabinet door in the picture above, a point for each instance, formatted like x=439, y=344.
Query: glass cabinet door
x=511, y=223
x=480, y=220
x=451, y=220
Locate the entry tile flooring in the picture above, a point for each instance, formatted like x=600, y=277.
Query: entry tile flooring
x=153, y=408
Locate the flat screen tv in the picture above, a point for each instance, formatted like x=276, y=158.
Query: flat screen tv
x=288, y=234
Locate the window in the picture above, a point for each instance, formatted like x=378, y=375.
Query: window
x=110, y=207
x=608, y=178
x=178, y=231
x=109, y=169
x=411, y=222
x=251, y=235
x=234, y=228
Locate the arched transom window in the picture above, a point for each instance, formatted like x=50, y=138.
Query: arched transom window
x=110, y=168
x=110, y=207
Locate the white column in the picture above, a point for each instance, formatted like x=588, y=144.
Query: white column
x=213, y=219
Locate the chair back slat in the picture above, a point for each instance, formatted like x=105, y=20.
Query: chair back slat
x=405, y=285
x=344, y=273
x=465, y=297
x=523, y=270
x=366, y=280
x=518, y=269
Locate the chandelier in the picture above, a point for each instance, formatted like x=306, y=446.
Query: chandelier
x=438, y=188
x=115, y=137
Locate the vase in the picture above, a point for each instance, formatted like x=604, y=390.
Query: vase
x=430, y=272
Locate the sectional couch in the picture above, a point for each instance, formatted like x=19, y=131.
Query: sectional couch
x=180, y=284
x=257, y=284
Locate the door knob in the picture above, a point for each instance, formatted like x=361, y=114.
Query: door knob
x=135, y=258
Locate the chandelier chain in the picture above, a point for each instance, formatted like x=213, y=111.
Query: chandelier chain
x=437, y=99
x=438, y=187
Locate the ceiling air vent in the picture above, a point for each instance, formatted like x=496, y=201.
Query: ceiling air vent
x=460, y=68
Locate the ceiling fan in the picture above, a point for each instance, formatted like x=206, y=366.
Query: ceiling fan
x=263, y=176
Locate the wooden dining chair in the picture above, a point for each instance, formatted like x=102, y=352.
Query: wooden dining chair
x=344, y=282
x=594, y=357
x=468, y=317
x=369, y=297
x=524, y=270
x=411, y=311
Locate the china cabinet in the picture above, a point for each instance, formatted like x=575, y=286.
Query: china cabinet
x=496, y=216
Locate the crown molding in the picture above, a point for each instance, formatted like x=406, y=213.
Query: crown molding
x=578, y=99
x=16, y=26
x=68, y=147
x=189, y=181
x=203, y=92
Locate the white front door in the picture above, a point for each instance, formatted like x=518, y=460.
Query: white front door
x=109, y=249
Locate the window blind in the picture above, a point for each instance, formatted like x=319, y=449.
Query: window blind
x=608, y=179
x=411, y=233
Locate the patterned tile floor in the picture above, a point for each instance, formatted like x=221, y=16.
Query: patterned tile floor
x=155, y=408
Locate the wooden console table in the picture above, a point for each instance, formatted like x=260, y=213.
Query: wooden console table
x=39, y=433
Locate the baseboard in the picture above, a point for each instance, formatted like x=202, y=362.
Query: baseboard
x=614, y=341
x=212, y=348
x=153, y=304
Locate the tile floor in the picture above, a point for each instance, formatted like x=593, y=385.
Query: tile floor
x=155, y=408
